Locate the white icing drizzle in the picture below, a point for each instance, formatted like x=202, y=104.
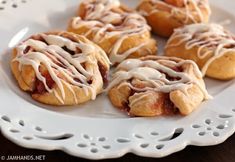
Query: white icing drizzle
x=191, y=8
x=155, y=72
x=209, y=38
x=58, y=61
x=104, y=22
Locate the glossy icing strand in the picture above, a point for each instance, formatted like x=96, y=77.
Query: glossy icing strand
x=105, y=22
x=208, y=38
x=155, y=73
x=51, y=54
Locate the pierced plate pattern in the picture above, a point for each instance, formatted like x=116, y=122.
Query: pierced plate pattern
x=7, y=4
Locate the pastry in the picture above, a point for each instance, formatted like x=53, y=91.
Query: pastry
x=166, y=15
x=60, y=68
x=121, y=32
x=157, y=85
x=210, y=45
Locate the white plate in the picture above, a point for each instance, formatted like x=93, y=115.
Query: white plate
x=97, y=130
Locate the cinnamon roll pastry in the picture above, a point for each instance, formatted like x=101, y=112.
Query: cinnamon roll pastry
x=60, y=68
x=210, y=45
x=166, y=15
x=119, y=31
x=157, y=85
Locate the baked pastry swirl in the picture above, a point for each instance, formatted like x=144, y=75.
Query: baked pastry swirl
x=210, y=45
x=60, y=68
x=157, y=85
x=166, y=15
x=121, y=33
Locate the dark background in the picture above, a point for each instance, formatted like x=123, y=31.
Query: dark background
x=224, y=152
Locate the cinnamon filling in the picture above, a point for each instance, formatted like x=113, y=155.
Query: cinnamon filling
x=177, y=69
x=39, y=86
x=169, y=107
x=27, y=49
x=69, y=51
x=230, y=46
x=104, y=73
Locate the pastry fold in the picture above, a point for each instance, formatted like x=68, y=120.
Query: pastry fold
x=157, y=85
x=166, y=15
x=210, y=45
x=60, y=68
x=119, y=31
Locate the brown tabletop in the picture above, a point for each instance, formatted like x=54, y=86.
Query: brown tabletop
x=224, y=152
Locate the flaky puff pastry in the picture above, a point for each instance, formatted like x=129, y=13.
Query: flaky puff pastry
x=166, y=15
x=60, y=68
x=210, y=45
x=157, y=85
x=119, y=31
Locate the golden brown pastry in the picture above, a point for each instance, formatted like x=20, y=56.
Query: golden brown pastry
x=60, y=68
x=209, y=45
x=157, y=85
x=166, y=15
x=122, y=33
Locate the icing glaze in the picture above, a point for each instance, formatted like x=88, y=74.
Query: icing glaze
x=51, y=54
x=105, y=22
x=189, y=9
x=209, y=38
x=155, y=73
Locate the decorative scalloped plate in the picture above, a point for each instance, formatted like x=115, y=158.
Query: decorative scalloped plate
x=97, y=130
